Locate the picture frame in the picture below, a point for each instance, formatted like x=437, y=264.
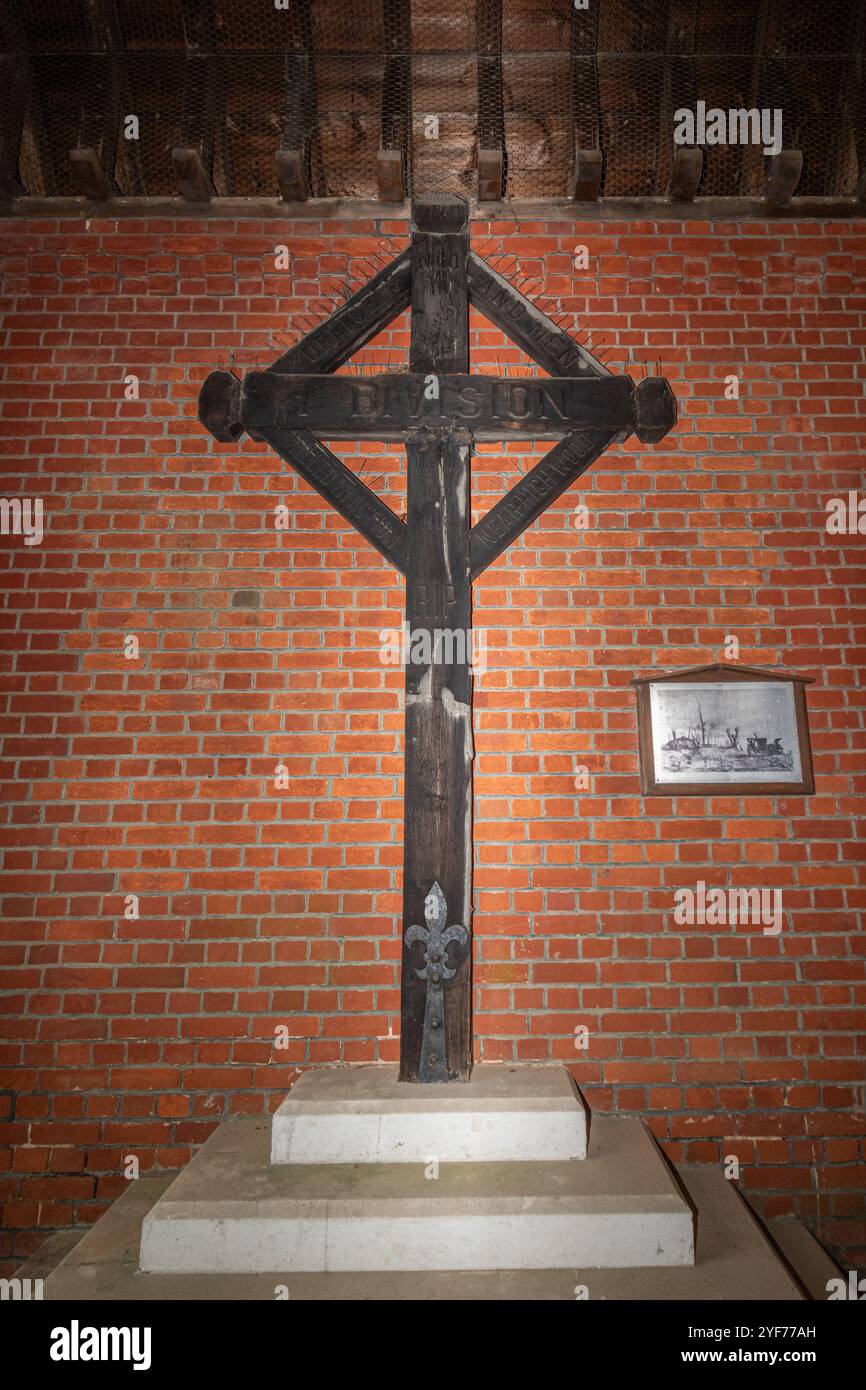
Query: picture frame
x=724, y=729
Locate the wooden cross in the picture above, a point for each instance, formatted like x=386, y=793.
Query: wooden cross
x=438, y=409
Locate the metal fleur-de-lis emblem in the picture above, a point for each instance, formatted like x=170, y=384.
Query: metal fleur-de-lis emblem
x=436, y=938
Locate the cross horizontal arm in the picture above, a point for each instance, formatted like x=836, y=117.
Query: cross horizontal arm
x=532, y=495
x=388, y=407
x=324, y=349
x=343, y=490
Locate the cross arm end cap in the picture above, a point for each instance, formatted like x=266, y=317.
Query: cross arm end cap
x=219, y=406
x=655, y=409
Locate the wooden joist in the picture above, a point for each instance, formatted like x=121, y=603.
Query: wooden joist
x=490, y=175
x=491, y=109
x=13, y=76
x=193, y=180
x=586, y=176
x=301, y=121
x=686, y=169
x=91, y=178
x=390, y=176
x=783, y=176
x=292, y=176
x=395, y=121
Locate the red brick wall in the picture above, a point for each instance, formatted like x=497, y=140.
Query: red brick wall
x=261, y=908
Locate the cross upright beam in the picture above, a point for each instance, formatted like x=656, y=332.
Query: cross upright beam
x=437, y=831
x=438, y=409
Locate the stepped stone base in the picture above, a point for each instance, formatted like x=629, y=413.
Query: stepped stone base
x=735, y=1262
x=232, y=1211
x=365, y=1115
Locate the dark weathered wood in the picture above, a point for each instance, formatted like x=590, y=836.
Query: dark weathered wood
x=336, y=211
x=438, y=771
x=438, y=775
x=686, y=169
x=656, y=414
x=527, y=499
x=583, y=132
x=491, y=169
x=90, y=176
x=440, y=311
x=93, y=159
x=491, y=110
x=655, y=409
x=390, y=176
x=343, y=490
x=364, y=315
x=292, y=175
x=127, y=153
x=202, y=97
x=13, y=75
x=395, y=125
x=783, y=176
x=439, y=408
x=20, y=66
x=387, y=407
x=301, y=125
x=527, y=326
x=586, y=176
x=193, y=180
x=219, y=406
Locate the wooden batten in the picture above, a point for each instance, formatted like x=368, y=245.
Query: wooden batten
x=292, y=176
x=391, y=176
x=490, y=174
x=586, y=176
x=193, y=180
x=783, y=176
x=686, y=169
x=14, y=78
x=91, y=177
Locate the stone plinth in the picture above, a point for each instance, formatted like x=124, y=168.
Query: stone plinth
x=364, y=1115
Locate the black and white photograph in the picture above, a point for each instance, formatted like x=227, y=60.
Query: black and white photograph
x=733, y=729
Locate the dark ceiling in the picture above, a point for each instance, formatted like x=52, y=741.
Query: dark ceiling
x=336, y=81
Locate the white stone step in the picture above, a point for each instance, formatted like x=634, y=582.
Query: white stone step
x=231, y=1211
x=365, y=1115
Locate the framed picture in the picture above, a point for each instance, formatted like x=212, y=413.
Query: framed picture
x=724, y=728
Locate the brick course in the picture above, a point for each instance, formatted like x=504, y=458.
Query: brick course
x=263, y=908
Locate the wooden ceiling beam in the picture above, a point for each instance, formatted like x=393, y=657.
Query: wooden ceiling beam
x=491, y=157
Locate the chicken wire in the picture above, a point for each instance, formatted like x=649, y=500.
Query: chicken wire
x=340, y=79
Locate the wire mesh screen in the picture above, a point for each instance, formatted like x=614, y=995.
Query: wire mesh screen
x=340, y=80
